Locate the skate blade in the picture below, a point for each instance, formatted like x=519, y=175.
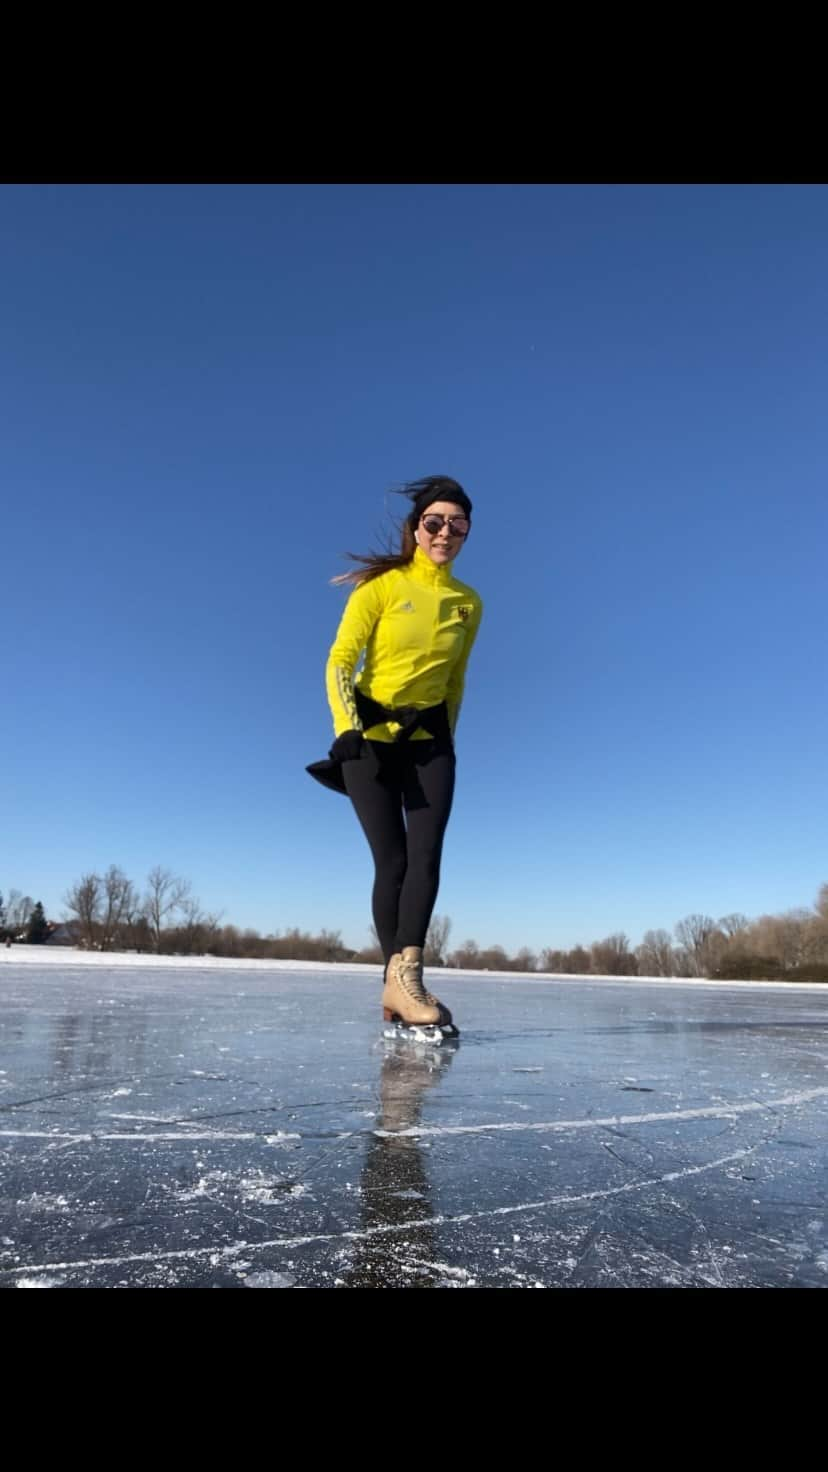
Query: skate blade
x=430, y=1033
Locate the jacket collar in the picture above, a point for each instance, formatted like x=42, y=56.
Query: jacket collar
x=423, y=570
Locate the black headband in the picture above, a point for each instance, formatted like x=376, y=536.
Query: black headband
x=423, y=499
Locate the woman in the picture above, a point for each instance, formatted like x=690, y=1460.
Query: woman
x=394, y=725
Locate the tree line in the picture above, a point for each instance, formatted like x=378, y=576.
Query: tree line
x=108, y=912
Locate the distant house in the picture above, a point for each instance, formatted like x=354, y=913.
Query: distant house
x=61, y=935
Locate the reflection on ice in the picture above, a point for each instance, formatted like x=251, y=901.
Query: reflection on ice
x=394, y=1184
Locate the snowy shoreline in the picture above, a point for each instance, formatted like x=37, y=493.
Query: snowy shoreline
x=69, y=956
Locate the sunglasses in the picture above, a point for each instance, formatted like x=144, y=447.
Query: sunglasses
x=458, y=525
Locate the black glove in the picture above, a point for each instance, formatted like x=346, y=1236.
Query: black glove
x=347, y=747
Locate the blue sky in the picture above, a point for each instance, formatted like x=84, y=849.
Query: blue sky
x=206, y=394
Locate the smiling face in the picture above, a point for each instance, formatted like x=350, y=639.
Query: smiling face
x=442, y=530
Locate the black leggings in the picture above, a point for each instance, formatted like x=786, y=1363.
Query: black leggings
x=415, y=778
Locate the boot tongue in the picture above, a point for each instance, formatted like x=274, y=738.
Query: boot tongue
x=411, y=972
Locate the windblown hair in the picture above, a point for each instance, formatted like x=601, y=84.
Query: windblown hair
x=421, y=493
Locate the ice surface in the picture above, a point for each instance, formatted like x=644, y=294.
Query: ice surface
x=213, y=1124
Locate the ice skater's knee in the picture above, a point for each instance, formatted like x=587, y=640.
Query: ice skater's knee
x=391, y=867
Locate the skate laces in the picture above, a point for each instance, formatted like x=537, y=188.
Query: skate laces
x=410, y=977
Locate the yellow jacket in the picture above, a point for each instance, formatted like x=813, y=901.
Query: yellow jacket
x=417, y=625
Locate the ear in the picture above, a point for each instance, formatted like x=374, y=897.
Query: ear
x=417, y=538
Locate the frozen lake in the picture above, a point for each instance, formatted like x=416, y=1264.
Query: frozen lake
x=215, y=1125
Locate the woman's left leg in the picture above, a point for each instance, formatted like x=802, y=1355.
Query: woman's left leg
x=428, y=790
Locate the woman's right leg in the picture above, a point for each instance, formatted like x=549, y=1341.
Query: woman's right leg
x=374, y=782
x=374, y=787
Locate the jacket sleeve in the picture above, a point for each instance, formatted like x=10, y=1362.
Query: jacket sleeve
x=357, y=624
x=457, y=679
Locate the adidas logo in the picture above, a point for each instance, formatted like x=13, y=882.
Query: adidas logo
x=407, y=607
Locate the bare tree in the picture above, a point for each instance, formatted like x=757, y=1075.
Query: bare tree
x=227, y=942
x=613, y=957
x=655, y=954
x=578, y=962
x=196, y=930
x=694, y=935
x=18, y=910
x=526, y=960
x=119, y=902
x=434, y=951
x=467, y=955
x=493, y=958
x=165, y=894
x=83, y=901
x=716, y=948
x=818, y=929
x=818, y=932
x=733, y=925
x=784, y=936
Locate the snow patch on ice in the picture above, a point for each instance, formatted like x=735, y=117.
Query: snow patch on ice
x=269, y=1192
x=42, y=1202
x=257, y=1186
x=269, y=1280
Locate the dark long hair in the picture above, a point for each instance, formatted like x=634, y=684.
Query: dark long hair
x=421, y=493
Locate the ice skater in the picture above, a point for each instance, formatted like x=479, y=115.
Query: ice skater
x=394, y=724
